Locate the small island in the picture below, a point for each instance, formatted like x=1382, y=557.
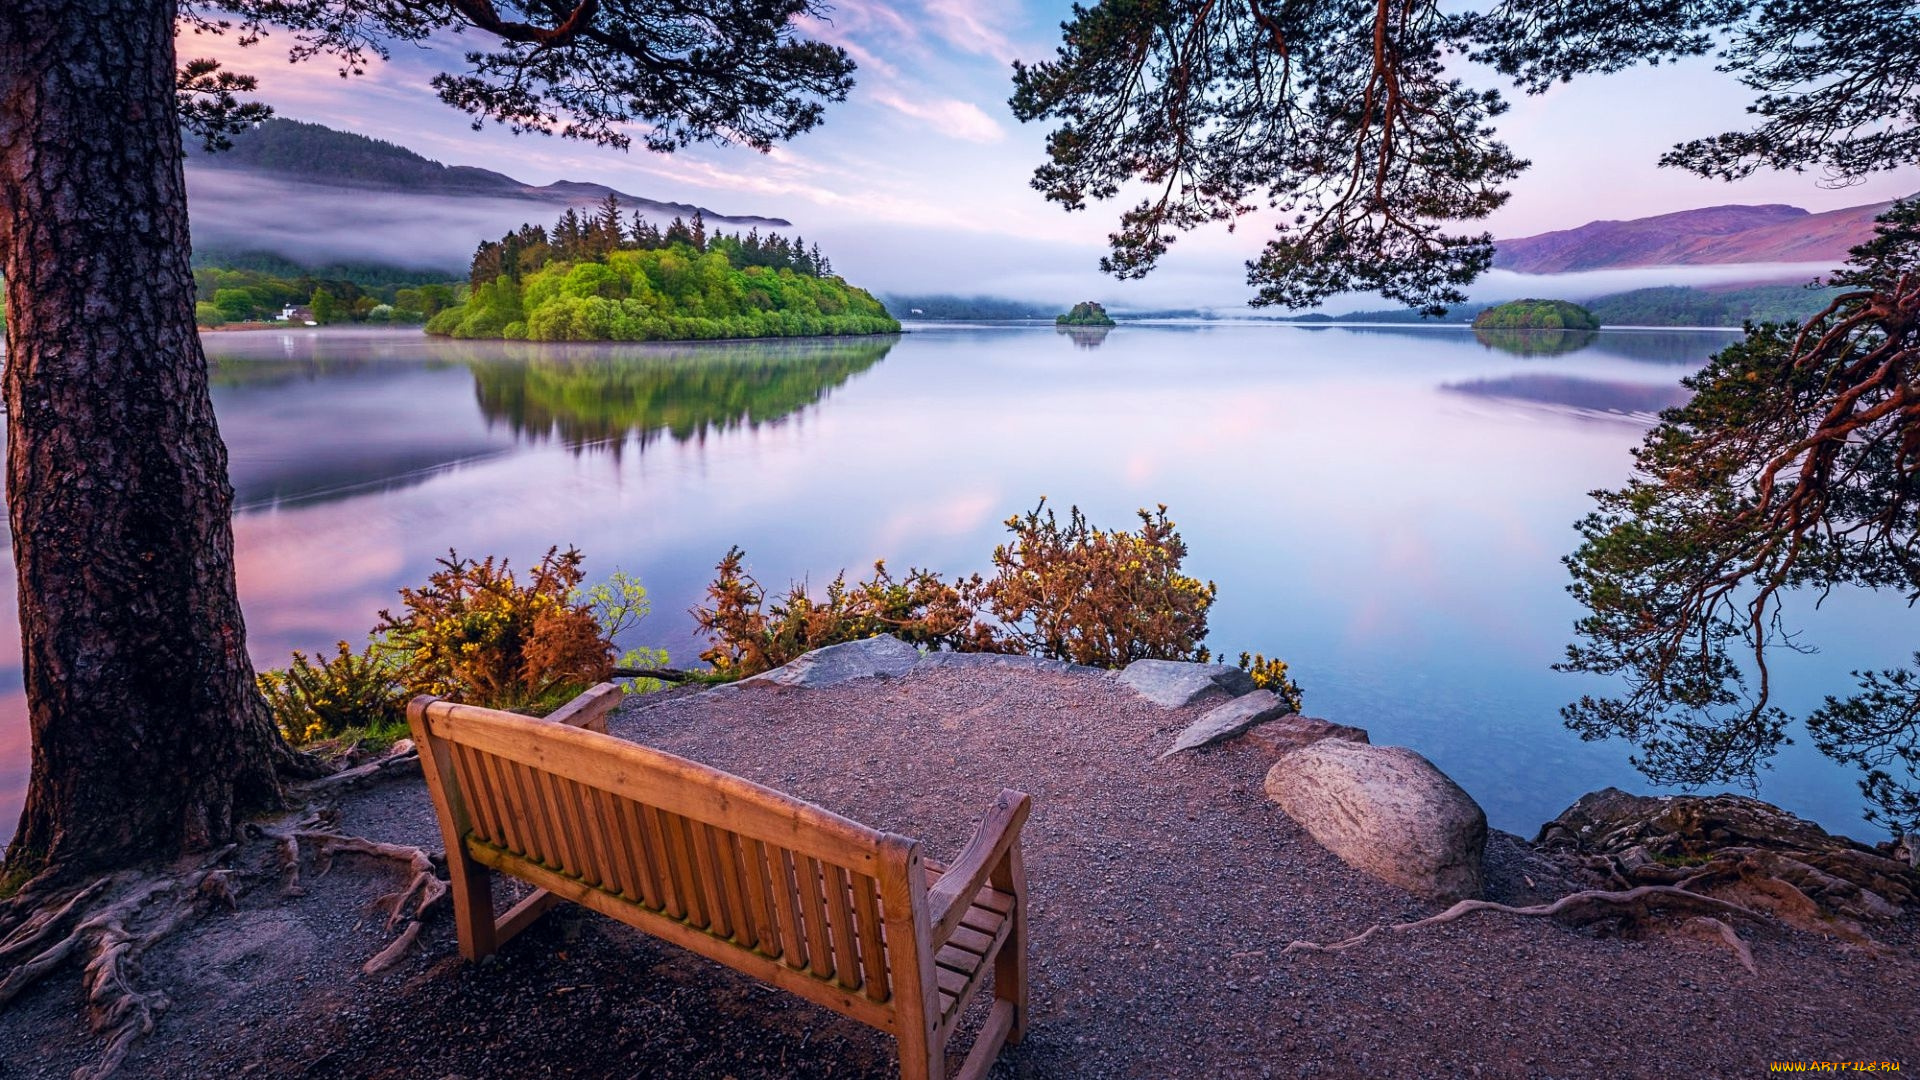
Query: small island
x=1534, y=314
x=1085, y=313
x=603, y=277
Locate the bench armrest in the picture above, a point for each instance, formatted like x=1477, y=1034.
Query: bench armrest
x=949, y=898
x=589, y=710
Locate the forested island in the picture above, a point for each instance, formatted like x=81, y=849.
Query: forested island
x=1531, y=314
x=604, y=277
x=1085, y=313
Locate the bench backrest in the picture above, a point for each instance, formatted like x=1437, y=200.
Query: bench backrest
x=795, y=884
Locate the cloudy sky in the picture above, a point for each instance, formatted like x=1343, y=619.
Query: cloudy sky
x=919, y=180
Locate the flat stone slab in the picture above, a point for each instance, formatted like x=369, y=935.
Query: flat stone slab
x=835, y=664
x=1286, y=734
x=973, y=661
x=1225, y=721
x=1173, y=683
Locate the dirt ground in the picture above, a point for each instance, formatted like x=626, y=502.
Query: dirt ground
x=1162, y=893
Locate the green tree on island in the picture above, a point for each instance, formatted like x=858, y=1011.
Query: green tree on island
x=593, y=280
x=1085, y=313
x=1536, y=315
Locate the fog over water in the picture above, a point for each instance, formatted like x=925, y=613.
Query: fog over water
x=317, y=225
x=1384, y=508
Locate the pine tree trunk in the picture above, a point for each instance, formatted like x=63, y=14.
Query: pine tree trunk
x=149, y=735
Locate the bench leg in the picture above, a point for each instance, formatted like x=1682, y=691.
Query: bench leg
x=921, y=1058
x=1010, y=966
x=472, y=905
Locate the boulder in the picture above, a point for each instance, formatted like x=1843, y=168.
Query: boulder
x=884, y=655
x=1173, y=683
x=1225, y=721
x=1289, y=733
x=1388, y=812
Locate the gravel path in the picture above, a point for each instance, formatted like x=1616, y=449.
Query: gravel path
x=1163, y=893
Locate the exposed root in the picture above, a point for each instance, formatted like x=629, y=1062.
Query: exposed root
x=112, y=941
x=1708, y=928
x=401, y=759
x=26, y=938
x=1581, y=907
x=423, y=890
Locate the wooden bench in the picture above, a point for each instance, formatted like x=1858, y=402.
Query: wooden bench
x=843, y=915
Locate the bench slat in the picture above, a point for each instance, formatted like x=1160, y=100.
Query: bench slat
x=754, y=875
x=873, y=947
x=596, y=853
x=786, y=907
x=478, y=793
x=563, y=837
x=685, y=875
x=846, y=962
x=661, y=853
x=814, y=916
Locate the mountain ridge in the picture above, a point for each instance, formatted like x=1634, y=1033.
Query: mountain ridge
x=327, y=157
x=1708, y=235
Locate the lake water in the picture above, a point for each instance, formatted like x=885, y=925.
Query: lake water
x=1386, y=509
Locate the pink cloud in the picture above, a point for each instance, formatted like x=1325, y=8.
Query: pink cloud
x=948, y=116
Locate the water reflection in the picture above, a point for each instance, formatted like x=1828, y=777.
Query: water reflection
x=1535, y=342
x=1690, y=348
x=1085, y=337
x=1637, y=401
x=588, y=395
x=322, y=417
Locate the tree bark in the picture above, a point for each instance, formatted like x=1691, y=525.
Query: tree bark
x=149, y=734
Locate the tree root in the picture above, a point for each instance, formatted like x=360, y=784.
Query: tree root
x=111, y=923
x=112, y=941
x=1588, y=906
x=403, y=757
x=425, y=888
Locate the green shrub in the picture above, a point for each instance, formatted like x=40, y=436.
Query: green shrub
x=477, y=634
x=1094, y=596
x=749, y=636
x=1272, y=675
x=325, y=699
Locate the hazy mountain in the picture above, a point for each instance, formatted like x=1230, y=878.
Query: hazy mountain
x=314, y=195
x=320, y=155
x=1772, y=233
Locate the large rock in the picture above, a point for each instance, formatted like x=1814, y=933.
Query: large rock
x=884, y=655
x=1225, y=721
x=1173, y=683
x=1289, y=733
x=1387, y=811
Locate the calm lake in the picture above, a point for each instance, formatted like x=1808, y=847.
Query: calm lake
x=1385, y=509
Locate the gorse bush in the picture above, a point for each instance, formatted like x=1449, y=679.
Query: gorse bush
x=1094, y=596
x=750, y=636
x=1063, y=590
x=474, y=632
x=1272, y=675
x=328, y=698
